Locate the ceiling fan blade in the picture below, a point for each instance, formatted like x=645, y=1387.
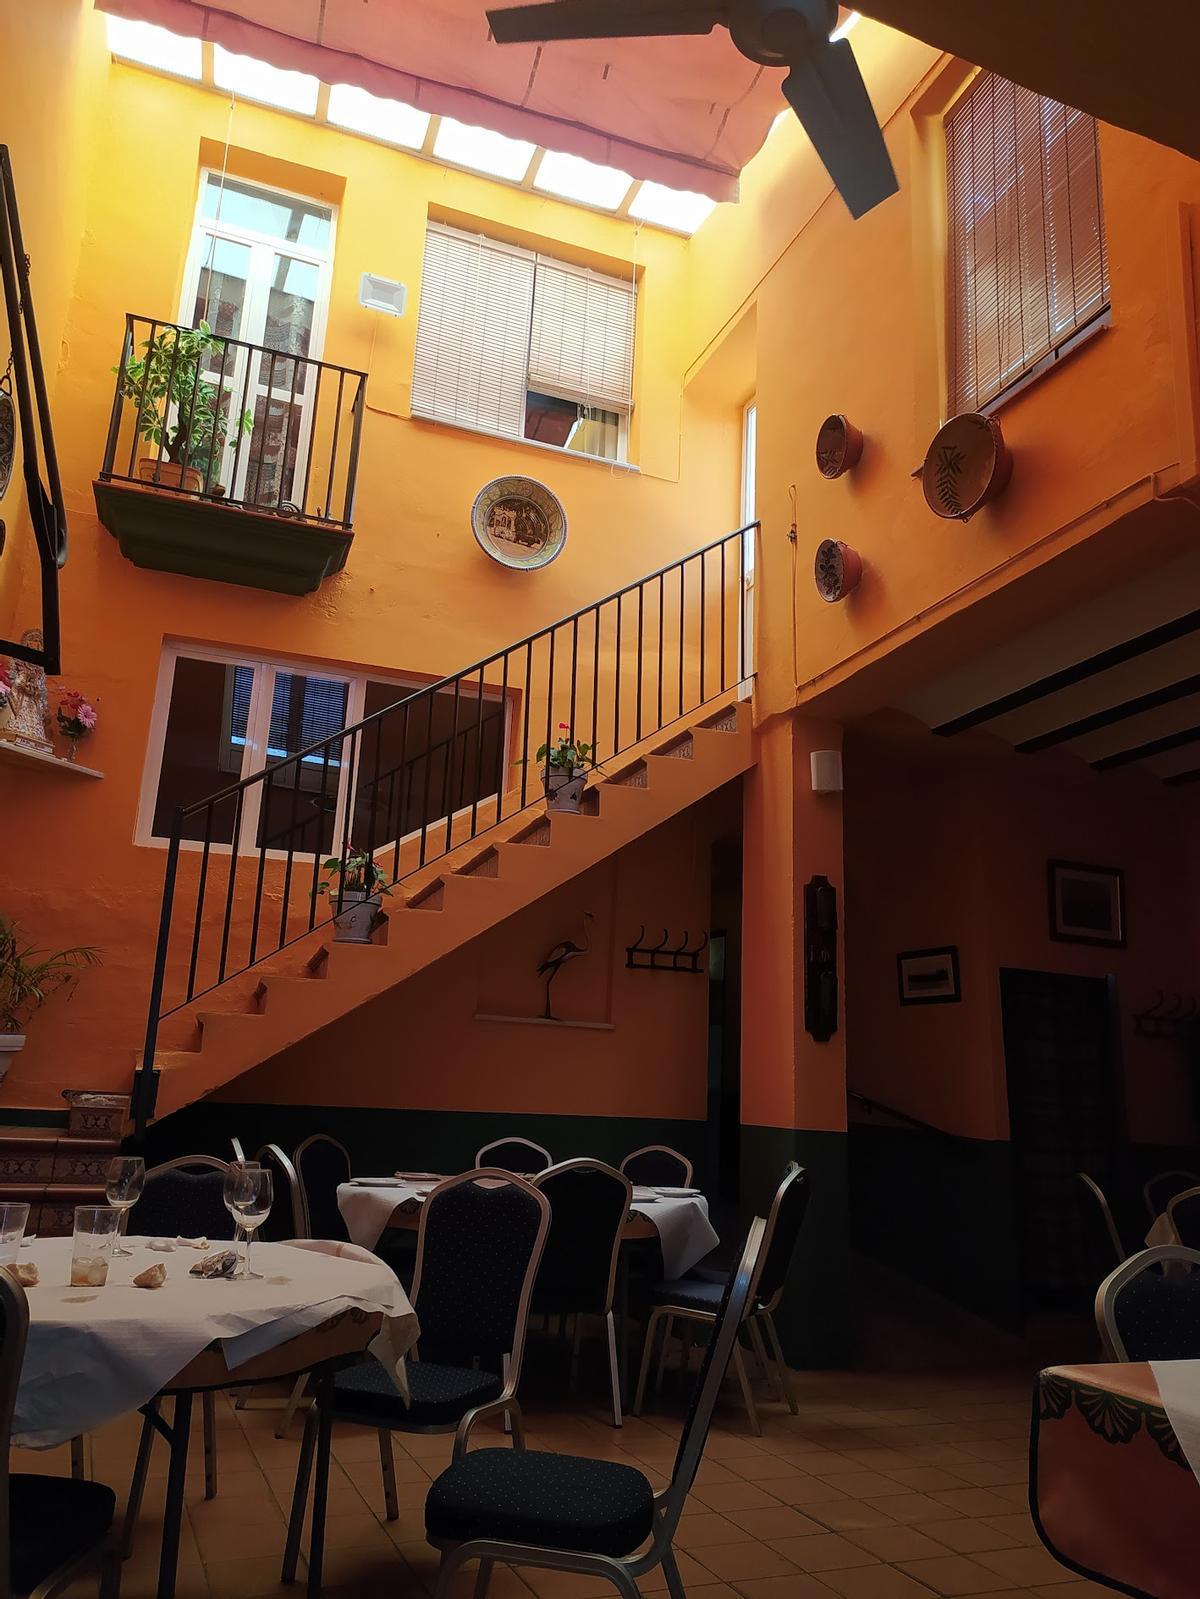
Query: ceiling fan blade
x=601, y=19
x=827, y=92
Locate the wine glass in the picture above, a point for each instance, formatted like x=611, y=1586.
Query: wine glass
x=122, y=1189
x=230, y=1190
x=254, y=1196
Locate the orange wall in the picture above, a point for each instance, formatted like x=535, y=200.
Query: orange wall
x=948, y=844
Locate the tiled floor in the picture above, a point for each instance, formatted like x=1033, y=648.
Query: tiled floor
x=885, y=1486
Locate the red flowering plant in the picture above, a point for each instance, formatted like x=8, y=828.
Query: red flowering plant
x=5, y=688
x=76, y=717
x=567, y=753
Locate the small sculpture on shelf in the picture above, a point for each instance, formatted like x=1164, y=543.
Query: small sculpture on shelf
x=557, y=958
x=27, y=704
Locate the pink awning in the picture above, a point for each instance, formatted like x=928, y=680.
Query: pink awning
x=689, y=112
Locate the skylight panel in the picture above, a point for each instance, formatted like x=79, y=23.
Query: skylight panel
x=681, y=209
x=483, y=151
x=572, y=178
x=256, y=80
x=390, y=120
x=154, y=47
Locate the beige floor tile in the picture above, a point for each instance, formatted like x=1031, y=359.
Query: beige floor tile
x=925, y=1479
x=966, y=1537
x=243, y=1577
x=705, y=1527
x=824, y=1552
x=973, y=1502
x=1025, y=1566
x=864, y=1484
x=778, y=1521
x=895, y=1543
x=1019, y=1526
x=875, y=1582
x=803, y=1490
x=909, y=1508
x=845, y=1515
x=568, y=1585
x=794, y=1585
x=691, y=1573
x=727, y=1496
x=951, y=1574
x=735, y=1562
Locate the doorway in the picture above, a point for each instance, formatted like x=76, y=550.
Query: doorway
x=1065, y=1115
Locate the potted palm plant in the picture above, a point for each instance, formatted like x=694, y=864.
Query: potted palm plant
x=179, y=409
x=359, y=884
x=28, y=977
x=566, y=767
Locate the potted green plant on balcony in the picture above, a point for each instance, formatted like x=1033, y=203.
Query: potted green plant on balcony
x=180, y=410
x=566, y=767
x=28, y=977
x=362, y=884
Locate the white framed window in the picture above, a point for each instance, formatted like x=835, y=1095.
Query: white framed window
x=258, y=270
x=749, y=514
x=221, y=716
x=513, y=342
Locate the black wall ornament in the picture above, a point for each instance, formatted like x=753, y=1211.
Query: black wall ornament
x=820, y=959
x=643, y=957
x=1179, y=1019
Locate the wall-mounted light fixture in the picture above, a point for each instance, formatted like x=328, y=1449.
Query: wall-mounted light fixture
x=382, y=294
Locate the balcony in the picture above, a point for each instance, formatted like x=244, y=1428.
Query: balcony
x=230, y=461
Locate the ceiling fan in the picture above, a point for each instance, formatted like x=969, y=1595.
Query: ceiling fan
x=824, y=86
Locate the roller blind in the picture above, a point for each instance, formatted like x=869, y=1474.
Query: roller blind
x=1028, y=264
x=473, y=331
x=581, y=344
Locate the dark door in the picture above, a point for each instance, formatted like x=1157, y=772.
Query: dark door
x=1065, y=1118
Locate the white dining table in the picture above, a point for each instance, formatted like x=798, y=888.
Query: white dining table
x=680, y=1218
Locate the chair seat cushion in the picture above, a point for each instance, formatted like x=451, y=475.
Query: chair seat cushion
x=54, y=1521
x=532, y=1496
x=440, y=1395
x=691, y=1293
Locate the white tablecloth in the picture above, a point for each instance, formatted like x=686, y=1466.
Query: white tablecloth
x=1179, y=1389
x=97, y=1353
x=684, y=1230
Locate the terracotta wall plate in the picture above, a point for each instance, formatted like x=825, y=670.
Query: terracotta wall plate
x=836, y=570
x=519, y=523
x=8, y=439
x=967, y=466
x=839, y=446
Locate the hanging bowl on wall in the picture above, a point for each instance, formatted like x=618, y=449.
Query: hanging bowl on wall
x=837, y=570
x=8, y=438
x=967, y=466
x=519, y=523
x=839, y=446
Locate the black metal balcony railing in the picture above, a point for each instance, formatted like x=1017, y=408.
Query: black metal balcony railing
x=421, y=777
x=218, y=419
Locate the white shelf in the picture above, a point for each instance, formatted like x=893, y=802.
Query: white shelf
x=546, y=1021
x=22, y=755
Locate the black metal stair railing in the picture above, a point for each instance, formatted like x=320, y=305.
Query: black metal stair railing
x=411, y=782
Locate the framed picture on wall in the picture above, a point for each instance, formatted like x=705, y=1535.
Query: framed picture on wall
x=1087, y=904
x=929, y=976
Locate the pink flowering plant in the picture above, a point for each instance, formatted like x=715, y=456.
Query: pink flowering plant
x=76, y=716
x=567, y=753
x=5, y=688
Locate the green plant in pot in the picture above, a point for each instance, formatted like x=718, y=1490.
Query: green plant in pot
x=179, y=409
x=28, y=977
x=565, y=772
x=359, y=884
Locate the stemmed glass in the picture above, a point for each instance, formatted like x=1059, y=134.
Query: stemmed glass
x=123, y=1189
x=248, y=1195
x=229, y=1194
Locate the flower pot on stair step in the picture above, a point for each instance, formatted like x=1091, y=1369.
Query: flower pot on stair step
x=10, y=1045
x=356, y=920
x=169, y=474
x=564, y=788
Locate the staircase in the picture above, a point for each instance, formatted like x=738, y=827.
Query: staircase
x=653, y=678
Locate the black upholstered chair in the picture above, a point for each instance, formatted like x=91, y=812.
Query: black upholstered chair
x=1161, y=1189
x=658, y=1166
x=479, y=1246
x=52, y=1529
x=696, y=1299
x=322, y=1164
x=516, y=1155
x=183, y=1198
x=1145, y=1313
x=570, y=1513
x=1184, y=1215
x=589, y=1202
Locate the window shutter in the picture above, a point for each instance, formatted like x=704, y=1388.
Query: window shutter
x=1028, y=264
x=581, y=345
x=473, y=331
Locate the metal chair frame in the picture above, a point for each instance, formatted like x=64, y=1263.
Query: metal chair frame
x=318, y=1426
x=1188, y=1193
x=1160, y=1177
x=624, y=1571
x=662, y=1149
x=1110, y=1289
x=499, y=1143
x=298, y=1165
x=104, y=1555
x=614, y=1367
x=1098, y=1194
x=281, y=1163
x=775, y=1367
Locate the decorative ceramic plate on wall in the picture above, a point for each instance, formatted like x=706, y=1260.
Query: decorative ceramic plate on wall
x=967, y=466
x=519, y=522
x=8, y=439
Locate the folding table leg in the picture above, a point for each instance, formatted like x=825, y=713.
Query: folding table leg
x=181, y=1429
x=209, y=1414
x=137, y=1484
x=323, y=1405
x=291, y=1548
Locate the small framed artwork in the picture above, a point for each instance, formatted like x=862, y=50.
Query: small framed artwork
x=1087, y=904
x=929, y=976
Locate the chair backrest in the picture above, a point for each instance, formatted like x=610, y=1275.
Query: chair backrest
x=322, y=1163
x=518, y=1155
x=734, y=1304
x=14, y=1329
x=1143, y=1315
x=658, y=1164
x=1101, y=1212
x=1162, y=1188
x=1184, y=1215
x=183, y=1198
x=289, y=1215
x=479, y=1246
x=236, y=1145
x=784, y=1221
x=589, y=1202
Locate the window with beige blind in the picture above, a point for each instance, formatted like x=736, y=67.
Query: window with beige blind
x=517, y=343
x=1028, y=265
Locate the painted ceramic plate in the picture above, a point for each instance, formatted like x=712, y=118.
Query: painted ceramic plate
x=519, y=523
x=968, y=465
x=8, y=440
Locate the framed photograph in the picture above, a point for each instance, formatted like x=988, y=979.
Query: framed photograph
x=1087, y=904
x=929, y=976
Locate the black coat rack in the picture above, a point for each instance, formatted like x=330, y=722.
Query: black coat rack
x=640, y=956
x=1160, y=1020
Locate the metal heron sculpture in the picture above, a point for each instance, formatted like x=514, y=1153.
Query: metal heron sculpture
x=557, y=958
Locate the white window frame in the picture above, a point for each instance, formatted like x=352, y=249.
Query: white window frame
x=258, y=722
x=749, y=513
